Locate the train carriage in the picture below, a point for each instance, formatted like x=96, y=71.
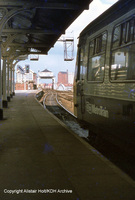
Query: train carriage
x=104, y=87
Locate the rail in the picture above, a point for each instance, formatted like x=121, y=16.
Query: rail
x=66, y=100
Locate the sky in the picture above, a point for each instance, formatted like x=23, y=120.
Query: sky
x=54, y=61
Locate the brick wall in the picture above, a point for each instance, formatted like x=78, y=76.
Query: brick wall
x=63, y=77
x=20, y=86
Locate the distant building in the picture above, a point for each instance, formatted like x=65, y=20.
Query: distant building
x=63, y=77
x=25, y=78
x=61, y=87
x=70, y=77
x=66, y=87
x=45, y=74
x=65, y=80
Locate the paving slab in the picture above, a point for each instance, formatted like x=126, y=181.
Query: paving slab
x=41, y=159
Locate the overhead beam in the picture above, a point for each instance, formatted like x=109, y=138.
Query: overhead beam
x=31, y=31
x=38, y=45
x=33, y=53
x=36, y=53
x=39, y=4
x=16, y=56
x=25, y=50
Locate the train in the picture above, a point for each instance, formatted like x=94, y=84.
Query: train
x=104, y=85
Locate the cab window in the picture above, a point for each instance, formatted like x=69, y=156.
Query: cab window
x=81, y=68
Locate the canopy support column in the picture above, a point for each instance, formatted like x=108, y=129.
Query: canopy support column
x=14, y=82
x=5, y=102
x=8, y=83
x=1, y=106
x=11, y=83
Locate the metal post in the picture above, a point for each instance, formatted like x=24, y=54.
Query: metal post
x=11, y=94
x=5, y=102
x=8, y=85
x=14, y=81
x=1, y=106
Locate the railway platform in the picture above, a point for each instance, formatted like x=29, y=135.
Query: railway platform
x=40, y=159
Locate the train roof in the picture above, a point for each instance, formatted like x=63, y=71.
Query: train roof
x=114, y=12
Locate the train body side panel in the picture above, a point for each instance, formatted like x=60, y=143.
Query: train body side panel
x=108, y=105
x=113, y=118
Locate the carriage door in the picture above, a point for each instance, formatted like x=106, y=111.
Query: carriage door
x=80, y=80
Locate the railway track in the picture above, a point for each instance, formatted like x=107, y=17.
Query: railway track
x=51, y=102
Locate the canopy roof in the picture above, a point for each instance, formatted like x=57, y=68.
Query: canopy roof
x=31, y=26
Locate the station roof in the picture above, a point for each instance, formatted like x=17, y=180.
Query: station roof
x=34, y=26
x=46, y=70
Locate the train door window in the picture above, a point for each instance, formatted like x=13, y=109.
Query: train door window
x=104, y=38
x=98, y=44
x=91, y=48
x=96, y=60
x=122, y=54
x=80, y=64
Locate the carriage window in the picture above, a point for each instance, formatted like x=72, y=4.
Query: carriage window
x=132, y=30
x=116, y=37
x=96, y=61
x=123, y=33
x=104, y=38
x=127, y=32
x=123, y=63
x=122, y=56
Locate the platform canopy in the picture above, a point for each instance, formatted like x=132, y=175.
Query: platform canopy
x=32, y=24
